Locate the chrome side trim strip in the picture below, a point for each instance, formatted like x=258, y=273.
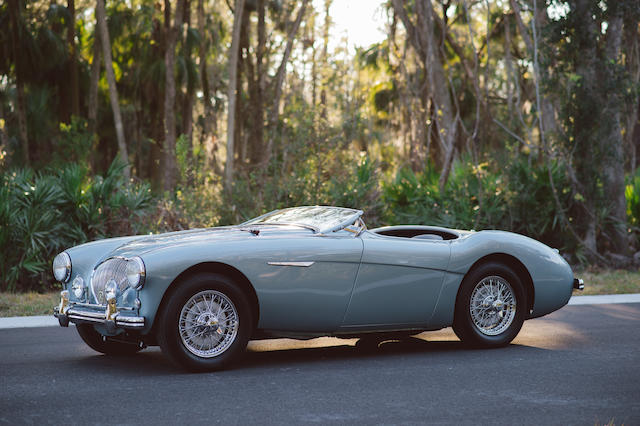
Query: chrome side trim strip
x=302, y=264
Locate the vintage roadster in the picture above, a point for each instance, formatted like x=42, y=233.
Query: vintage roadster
x=304, y=272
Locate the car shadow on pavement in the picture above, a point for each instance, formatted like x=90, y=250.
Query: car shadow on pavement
x=151, y=361
x=408, y=347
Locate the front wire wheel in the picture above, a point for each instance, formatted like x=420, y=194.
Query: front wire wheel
x=208, y=324
x=205, y=323
x=490, y=307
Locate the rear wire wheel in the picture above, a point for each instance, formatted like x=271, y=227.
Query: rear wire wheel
x=491, y=306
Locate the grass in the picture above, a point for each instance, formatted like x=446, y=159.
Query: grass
x=616, y=281
x=26, y=304
x=596, y=282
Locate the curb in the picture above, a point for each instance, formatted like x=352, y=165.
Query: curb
x=28, y=322
x=50, y=321
x=605, y=299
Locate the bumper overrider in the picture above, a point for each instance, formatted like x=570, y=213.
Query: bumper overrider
x=110, y=315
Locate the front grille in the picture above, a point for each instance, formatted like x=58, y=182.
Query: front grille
x=111, y=269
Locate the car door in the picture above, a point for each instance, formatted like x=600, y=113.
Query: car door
x=303, y=283
x=398, y=283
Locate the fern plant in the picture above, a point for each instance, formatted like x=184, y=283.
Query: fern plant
x=44, y=213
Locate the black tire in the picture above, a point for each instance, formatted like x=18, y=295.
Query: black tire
x=108, y=347
x=369, y=343
x=182, y=351
x=463, y=324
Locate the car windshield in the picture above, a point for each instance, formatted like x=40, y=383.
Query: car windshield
x=320, y=218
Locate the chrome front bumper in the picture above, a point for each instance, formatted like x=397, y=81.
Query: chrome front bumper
x=111, y=321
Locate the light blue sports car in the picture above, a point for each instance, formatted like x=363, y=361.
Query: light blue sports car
x=304, y=272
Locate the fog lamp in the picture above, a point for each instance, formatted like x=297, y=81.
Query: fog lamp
x=111, y=290
x=78, y=288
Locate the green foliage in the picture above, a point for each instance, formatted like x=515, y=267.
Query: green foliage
x=43, y=213
x=354, y=183
x=347, y=123
x=75, y=143
x=632, y=194
x=593, y=87
x=518, y=199
x=531, y=207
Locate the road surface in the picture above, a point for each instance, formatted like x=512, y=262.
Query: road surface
x=579, y=365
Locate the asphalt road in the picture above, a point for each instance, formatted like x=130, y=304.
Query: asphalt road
x=579, y=365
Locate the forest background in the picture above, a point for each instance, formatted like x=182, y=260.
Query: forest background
x=137, y=116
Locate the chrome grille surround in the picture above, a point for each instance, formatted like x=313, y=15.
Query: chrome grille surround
x=114, y=268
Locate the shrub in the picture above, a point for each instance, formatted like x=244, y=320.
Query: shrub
x=44, y=213
x=472, y=199
x=516, y=198
x=632, y=193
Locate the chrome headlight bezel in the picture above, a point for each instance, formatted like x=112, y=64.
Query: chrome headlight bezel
x=62, y=267
x=136, y=272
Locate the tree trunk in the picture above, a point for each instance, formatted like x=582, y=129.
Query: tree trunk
x=73, y=59
x=16, y=37
x=234, y=52
x=325, y=60
x=257, y=85
x=111, y=79
x=585, y=68
x=421, y=36
x=93, y=83
x=172, y=31
x=245, y=67
x=279, y=80
x=311, y=24
x=208, y=131
x=187, y=101
x=155, y=93
x=547, y=111
x=631, y=46
x=613, y=161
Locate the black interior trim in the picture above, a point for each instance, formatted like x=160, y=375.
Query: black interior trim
x=411, y=233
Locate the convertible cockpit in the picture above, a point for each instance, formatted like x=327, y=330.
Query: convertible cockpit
x=418, y=232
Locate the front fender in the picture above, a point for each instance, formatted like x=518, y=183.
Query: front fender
x=165, y=265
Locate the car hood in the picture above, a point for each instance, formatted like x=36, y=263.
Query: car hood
x=140, y=245
x=143, y=244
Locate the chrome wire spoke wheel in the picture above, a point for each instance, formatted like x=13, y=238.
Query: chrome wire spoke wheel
x=208, y=324
x=493, y=305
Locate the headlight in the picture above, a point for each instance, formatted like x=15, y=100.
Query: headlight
x=62, y=267
x=135, y=272
x=77, y=286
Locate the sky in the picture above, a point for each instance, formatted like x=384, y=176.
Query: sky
x=362, y=21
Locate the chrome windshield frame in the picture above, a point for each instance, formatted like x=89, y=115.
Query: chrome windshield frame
x=348, y=221
x=319, y=231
